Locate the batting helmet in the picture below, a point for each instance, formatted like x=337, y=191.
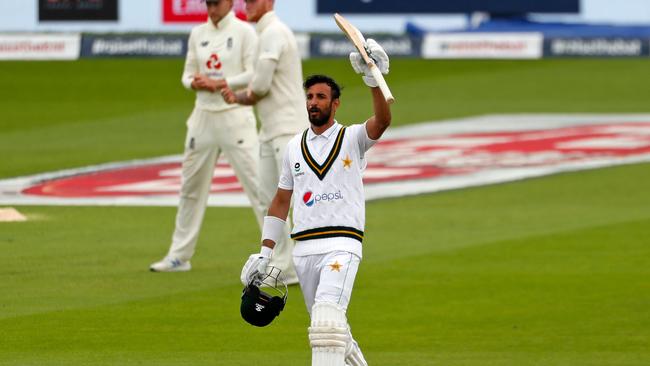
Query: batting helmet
x=258, y=307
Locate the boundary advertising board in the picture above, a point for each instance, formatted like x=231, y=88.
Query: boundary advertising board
x=339, y=46
x=446, y=7
x=193, y=11
x=134, y=46
x=77, y=10
x=483, y=45
x=44, y=46
x=595, y=47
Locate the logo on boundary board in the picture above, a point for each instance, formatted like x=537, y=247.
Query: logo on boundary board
x=414, y=159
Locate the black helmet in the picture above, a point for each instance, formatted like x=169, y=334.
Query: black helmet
x=258, y=307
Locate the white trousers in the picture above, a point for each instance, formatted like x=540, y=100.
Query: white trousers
x=271, y=155
x=231, y=132
x=327, y=277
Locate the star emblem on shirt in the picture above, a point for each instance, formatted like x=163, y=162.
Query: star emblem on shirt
x=336, y=266
x=347, y=162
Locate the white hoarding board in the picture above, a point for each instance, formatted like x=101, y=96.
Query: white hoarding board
x=40, y=46
x=483, y=45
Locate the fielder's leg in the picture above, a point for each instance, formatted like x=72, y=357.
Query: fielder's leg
x=239, y=141
x=198, y=168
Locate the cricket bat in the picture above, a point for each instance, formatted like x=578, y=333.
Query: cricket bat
x=357, y=39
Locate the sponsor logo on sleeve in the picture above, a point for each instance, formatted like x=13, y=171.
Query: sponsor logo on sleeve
x=297, y=171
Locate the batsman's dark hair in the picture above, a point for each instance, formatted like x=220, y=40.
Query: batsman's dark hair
x=324, y=79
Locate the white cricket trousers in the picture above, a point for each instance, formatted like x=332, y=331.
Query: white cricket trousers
x=327, y=277
x=271, y=155
x=231, y=132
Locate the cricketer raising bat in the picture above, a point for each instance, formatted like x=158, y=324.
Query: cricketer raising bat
x=357, y=39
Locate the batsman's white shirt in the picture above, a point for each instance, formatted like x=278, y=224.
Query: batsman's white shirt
x=226, y=51
x=325, y=173
x=282, y=111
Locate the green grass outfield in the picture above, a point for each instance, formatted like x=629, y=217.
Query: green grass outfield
x=549, y=271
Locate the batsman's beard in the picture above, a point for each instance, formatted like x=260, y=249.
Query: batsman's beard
x=321, y=118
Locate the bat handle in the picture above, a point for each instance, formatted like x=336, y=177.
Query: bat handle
x=381, y=82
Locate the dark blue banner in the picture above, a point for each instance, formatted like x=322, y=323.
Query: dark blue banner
x=340, y=46
x=595, y=47
x=77, y=10
x=446, y=6
x=134, y=46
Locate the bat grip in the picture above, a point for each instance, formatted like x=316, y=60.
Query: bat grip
x=381, y=82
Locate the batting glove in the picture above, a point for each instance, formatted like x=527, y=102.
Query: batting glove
x=377, y=54
x=255, y=266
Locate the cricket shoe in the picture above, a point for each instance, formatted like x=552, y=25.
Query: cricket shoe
x=170, y=265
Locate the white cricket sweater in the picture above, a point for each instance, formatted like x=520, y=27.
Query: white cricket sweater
x=226, y=51
x=325, y=173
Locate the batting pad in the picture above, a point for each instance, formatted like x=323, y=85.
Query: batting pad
x=328, y=335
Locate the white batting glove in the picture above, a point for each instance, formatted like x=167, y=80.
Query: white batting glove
x=255, y=266
x=377, y=54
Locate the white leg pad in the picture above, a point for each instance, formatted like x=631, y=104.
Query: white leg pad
x=328, y=335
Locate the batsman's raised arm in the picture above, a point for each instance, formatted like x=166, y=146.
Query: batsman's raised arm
x=379, y=122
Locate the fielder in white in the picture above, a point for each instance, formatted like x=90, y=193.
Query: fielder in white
x=276, y=90
x=221, y=53
x=322, y=172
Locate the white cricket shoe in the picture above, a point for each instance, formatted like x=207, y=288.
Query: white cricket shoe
x=170, y=265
